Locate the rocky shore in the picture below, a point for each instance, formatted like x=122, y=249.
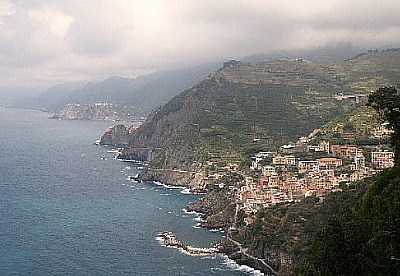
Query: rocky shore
x=172, y=177
x=237, y=253
x=170, y=239
x=217, y=209
x=117, y=135
x=232, y=249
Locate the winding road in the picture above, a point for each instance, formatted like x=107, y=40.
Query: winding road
x=244, y=252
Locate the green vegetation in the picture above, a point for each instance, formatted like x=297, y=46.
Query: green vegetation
x=288, y=229
x=354, y=126
x=246, y=116
x=362, y=238
x=386, y=101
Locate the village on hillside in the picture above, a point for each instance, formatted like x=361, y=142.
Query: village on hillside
x=282, y=176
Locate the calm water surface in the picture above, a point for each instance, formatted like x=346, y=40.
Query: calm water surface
x=68, y=208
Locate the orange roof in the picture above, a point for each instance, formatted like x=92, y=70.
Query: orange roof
x=328, y=159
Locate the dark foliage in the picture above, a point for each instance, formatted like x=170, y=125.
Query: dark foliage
x=386, y=101
x=361, y=240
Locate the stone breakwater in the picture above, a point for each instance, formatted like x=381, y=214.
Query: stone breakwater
x=169, y=239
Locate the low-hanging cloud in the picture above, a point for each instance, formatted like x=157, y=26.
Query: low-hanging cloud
x=43, y=42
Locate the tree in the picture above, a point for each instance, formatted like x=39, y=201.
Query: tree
x=386, y=101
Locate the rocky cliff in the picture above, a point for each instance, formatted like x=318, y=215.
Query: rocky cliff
x=217, y=208
x=159, y=140
x=117, y=135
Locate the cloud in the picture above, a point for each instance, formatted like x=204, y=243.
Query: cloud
x=43, y=42
x=99, y=30
x=6, y=9
x=55, y=21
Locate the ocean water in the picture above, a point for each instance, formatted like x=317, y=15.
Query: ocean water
x=67, y=207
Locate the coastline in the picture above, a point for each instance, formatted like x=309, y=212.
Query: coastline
x=202, y=208
x=233, y=250
x=239, y=255
x=169, y=239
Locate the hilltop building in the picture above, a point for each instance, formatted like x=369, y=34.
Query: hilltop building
x=231, y=63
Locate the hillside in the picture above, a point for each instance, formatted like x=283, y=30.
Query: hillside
x=50, y=99
x=244, y=108
x=329, y=53
x=361, y=237
x=137, y=96
x=282, y=233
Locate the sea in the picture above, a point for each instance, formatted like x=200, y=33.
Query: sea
x=68, y=207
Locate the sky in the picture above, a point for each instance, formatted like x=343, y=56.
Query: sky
x=44, y=42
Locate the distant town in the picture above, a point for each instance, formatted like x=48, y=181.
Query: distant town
x=103, y=111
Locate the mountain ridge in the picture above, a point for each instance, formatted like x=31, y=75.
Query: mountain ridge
x=135, y=95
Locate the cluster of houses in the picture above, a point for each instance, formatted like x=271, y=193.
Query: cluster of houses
x=284, y=177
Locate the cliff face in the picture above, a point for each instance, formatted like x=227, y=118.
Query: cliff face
x=164, y=123
x=117, y=135
x=159, y=139
x=217, y=207
x=175, y=177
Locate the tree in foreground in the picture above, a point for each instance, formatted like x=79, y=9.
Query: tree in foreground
x=386, y=102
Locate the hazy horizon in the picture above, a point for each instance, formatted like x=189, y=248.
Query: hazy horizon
x=47, y=42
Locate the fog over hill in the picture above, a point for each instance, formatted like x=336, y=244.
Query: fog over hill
x=329, y=53
x=148, y=91
x=45, y=42
x=144, y=92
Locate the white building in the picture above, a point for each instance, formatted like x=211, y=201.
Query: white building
x=308, y=166
x=382, y=159
x=268, y=171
